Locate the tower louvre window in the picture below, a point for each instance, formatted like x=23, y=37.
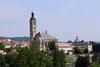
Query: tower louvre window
x=34, y=28
x=34, y=23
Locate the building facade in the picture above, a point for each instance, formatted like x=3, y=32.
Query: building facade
x=66, y=47
x=82, y=45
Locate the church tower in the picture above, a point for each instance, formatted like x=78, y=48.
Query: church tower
x=32, y=26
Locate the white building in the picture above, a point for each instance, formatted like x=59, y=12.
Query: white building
x=3, y=52
x=66, y=47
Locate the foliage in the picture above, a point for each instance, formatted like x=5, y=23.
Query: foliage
x=58, y=56
x=10, y=60
x=29, y=57
x=96, y=57
x=1, y=46
x=52, y=45
x=82, y=62
x=77, y=51
x=59, y=59
x=96, y=47
x=2, y=61
x=62, y=59
x=45, y=60
x=22, y=58
x=7, y=50
x=86, y=51
x=95, y=65
x=87, y=56
x=70, y=60
x=33, y=57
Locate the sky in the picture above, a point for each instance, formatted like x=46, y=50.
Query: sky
x=63, y=19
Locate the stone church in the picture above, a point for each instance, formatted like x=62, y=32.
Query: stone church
x=41, y=40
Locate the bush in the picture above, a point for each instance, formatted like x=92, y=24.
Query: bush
x=77, y=51
x=2, y=46
x=82, y=62
x=95, y=65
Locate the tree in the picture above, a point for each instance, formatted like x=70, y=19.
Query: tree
x=62, y=59
x=86, y=50
x=82, y=62
x=88, y=56
x=96, y=57
x=7, y=50
x=31, y=56
x=45, y=60
x=10, y=60
x=1, y=46
x=95, y=65
x=22, y=57
x=52, y=45
x=56, y=59
x=2, y=61
x=77, y=50
x=59, y=58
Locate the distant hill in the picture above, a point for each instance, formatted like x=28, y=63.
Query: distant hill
x=17, y=38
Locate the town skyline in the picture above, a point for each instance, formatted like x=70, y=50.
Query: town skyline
x=63, y=19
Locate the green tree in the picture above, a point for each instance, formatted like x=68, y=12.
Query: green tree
x=7, y=50
x=52, y=45
x=10, y=60
x=77, y=50
x=45, y=60
x=56, y=59
x=82, y=62
x=2, y=61
x=86, y=51
x=59, y=59
x=95, y=64
x=96, y=57
x=2, y=46
x=58, y=56
x=32, y=57
x=62, y=59
x=22, y=57
x=88, y=56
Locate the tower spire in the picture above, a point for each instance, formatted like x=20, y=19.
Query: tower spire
x=32, y=14
x=77, y=39
x=32, y=26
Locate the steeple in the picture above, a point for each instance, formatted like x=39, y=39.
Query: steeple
x=32, y=14
x=33, y=26
x=77, y=39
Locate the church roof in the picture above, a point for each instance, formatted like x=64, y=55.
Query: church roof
x=46, y=36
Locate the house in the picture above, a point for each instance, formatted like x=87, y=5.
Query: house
x=66, y=47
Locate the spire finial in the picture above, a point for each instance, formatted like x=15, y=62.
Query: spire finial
x=32, y=14
x=77, y=39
